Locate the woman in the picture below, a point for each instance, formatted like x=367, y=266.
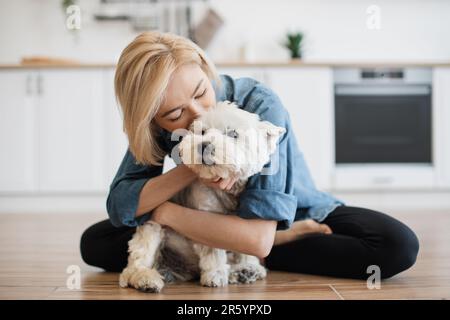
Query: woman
x=163, y=82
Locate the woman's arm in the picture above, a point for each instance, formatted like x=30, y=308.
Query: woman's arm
x=251, y=236
x=163, y=187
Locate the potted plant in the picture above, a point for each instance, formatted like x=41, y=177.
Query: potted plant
x=67, y=3
x=293, y=42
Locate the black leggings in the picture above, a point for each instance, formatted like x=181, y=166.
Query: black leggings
x=361, y=238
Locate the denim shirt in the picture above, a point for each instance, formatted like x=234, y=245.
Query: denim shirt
x=286, y=195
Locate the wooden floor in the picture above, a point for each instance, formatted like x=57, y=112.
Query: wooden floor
x=35, y=251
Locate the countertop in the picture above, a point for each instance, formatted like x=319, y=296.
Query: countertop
x=240, y=64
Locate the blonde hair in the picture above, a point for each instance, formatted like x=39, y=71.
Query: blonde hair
x=142, y=76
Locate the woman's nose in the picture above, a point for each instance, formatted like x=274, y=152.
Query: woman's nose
x=196, y=110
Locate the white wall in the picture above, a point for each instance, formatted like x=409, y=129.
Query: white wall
x=411, y=30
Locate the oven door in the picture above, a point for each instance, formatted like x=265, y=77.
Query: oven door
x=383, y=124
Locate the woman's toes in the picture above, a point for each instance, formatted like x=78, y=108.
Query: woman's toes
x=325, y=229
x=312, y=226
x=315, y=227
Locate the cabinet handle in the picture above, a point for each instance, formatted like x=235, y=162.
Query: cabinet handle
x=39, y=85
x=28, y=90
x=382, y=180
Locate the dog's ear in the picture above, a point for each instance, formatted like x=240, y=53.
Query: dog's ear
x=272, y=132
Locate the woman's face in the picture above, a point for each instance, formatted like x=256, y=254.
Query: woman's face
x=188, y=95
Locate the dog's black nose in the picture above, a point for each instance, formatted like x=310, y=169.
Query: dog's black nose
x=206, y=150
x=208, y=146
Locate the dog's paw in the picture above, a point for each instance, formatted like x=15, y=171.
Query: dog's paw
x=215, y=277
x=142, y=279
x=246, y=273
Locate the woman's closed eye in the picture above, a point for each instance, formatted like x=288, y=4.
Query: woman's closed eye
x=181, y=111
x=178, y=115
x=202, y=94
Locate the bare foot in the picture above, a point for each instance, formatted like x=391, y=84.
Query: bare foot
x=309, y=226
x=300, y=228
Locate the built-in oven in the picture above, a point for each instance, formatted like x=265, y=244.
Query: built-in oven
x=383, y=127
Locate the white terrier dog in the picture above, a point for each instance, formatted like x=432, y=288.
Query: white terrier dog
x=225, y=142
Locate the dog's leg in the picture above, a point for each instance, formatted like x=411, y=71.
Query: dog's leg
x=247, y=269
x=214, y=269
x=140, y=272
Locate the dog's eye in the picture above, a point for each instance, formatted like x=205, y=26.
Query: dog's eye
x=232, y=134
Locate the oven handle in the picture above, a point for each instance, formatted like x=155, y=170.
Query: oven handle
x=380, y=90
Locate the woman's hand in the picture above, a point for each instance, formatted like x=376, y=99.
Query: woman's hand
x=220, y=183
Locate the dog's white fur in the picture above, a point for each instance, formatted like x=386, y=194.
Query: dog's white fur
x=158, y=254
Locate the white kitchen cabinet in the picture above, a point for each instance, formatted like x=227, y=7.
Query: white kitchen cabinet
x=54, y=124
x=307, y=93
x=71, y=122
x=115, y=140
x=18, y=131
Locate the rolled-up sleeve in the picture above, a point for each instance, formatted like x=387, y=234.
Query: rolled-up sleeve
x=123, y=197
x=268, y=196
